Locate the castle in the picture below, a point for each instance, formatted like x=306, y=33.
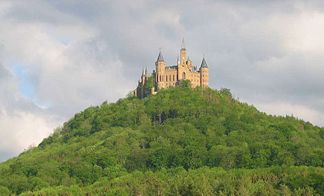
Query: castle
x=168, y=76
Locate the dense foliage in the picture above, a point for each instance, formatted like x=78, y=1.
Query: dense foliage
x=181, y=141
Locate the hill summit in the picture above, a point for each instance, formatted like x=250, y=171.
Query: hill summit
x=181, y=141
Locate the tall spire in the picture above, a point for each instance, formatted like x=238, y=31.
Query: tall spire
x=160, y=57
x=146, y=73
x=183, y=46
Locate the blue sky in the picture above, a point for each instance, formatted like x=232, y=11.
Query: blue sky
x=26, y=86
x=68, y=56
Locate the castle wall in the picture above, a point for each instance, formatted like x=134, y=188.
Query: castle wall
x=170, y=77
x=195, y=79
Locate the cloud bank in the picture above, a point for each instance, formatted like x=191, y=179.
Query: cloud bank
x=58, y=57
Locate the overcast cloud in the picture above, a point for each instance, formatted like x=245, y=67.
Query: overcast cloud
x=59, y=57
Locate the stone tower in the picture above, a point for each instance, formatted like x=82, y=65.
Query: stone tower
x=203, y=73
x=182, y=66
x=160, y=66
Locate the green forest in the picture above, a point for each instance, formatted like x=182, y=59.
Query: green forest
x=181, y=141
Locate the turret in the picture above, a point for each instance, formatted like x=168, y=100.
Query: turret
x=143, y=76
x=203, y=73
x=182, y=66
x=160, y=69
x=146, y=73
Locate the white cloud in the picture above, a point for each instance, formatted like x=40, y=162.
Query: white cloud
x=301, y=31
x=299, y=111
x=20, y=129
x=69, y=69
x=4, y=7
x=21, y=122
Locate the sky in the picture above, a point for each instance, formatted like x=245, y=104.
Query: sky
x=59, y=57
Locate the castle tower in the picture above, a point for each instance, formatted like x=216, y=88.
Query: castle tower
x=160, y=71
x=182, y=74
x=204, y=73
x=183, y=53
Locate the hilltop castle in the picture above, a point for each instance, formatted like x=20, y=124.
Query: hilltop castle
x=167, y=76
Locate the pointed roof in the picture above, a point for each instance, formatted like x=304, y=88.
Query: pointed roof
x=204, y=64
x=160, y=57
x=183, y=46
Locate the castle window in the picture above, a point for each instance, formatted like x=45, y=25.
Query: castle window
x=160, y=78
x=169, y=77
x=173, y=77
x=184, y=75
x=166, y=78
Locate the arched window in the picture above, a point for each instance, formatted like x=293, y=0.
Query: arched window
x=184, y=75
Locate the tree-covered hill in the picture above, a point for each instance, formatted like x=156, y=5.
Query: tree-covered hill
x=181, y=141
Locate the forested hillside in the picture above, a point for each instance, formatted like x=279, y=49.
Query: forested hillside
x=181, y=141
